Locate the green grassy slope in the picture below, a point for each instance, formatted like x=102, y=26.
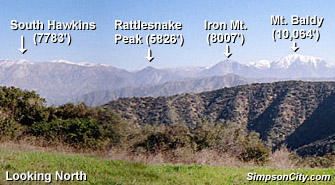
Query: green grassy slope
x=104, y=171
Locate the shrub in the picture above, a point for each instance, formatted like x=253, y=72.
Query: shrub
x=113, y=126
x=164, y=138
x=257, y=153
x=78, y=131
x=207, y=135
x=8, y=127
x=70, y=110
x=283, y=158
x=229, y=138
x=326, y=161
x=23, y=106
x=253, y=149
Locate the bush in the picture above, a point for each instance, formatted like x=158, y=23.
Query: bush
x=207, y=135
x=228, y=138
x=283, y=158
x=231, y=138
x=315, y=162
x=78, y=131
x=113, y=126
x=70, y=110
x=164, y=138
x=257, y=153
x=8, y=127
x=23, y=106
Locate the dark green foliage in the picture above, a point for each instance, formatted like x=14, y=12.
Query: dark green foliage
x=113, y=126
x=79, y=131
x=254, y=150
x=70, y=110
x=8, y=127
x=25, y=107
x=23, y=113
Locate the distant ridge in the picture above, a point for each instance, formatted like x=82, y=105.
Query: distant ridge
x=62, y=81
x=165, y=89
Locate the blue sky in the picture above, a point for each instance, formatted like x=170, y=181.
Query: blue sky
x=98, y=46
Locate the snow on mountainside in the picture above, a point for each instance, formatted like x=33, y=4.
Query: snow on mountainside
x=9, y=63
x=290, y=61
x=60, y=80
x=86, y=64
x=262, y=64
x=293, y=59
x=295, y=66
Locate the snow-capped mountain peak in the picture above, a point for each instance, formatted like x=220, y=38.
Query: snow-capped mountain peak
x=63, y=61
x=261, y=64
x=9, y=63
x=297, y=59
x=85, y=64
x=291, y=60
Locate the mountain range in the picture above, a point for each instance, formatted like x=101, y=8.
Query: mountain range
x=295, y=113
x=62, y=81
x=165, y=89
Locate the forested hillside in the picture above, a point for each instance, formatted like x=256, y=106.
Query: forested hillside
x=296, y=113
